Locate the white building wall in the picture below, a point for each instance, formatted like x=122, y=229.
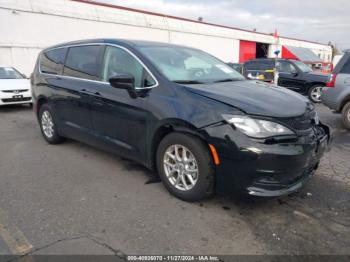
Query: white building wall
x=224, y=48
x=31, y=25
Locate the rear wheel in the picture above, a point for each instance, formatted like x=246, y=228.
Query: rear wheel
x=48, y=125
x=185, y=167
x=346, y=115
x=315, y=93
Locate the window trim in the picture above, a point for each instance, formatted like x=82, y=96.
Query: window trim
x=98, y=81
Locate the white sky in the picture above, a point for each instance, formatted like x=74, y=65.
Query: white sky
x=314, y=20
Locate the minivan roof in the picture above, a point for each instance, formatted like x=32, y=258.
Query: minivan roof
x=123, y=42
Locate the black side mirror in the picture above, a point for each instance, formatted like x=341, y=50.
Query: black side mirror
x=123, y=81
x=294, y=72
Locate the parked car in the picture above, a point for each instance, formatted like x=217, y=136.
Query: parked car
x=14, y=87
x=237, y=66
x=337, y=93
x=292, y=74
x=177, y=110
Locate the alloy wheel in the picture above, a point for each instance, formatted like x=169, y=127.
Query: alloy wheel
x=180, y=167
x=47, y=124
x=316, y=93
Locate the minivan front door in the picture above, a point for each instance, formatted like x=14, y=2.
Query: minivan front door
x=289, y=76
x=120, y=118
x=119, y=121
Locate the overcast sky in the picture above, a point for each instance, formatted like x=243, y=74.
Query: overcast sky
x=314, y=20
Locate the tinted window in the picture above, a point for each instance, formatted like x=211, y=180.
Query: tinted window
x=118, y=61
x=259, y=65
x=266, y=65
x=52, y=61
x=285, y=67
x=84, y=62
x=250, y=65
x=346, y=67
x=303, y=67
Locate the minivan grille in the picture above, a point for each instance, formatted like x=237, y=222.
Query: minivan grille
x=303, y=122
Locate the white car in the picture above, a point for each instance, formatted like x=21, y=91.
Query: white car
x=14, y=87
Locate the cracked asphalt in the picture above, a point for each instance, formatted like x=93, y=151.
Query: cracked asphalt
x=75, y=199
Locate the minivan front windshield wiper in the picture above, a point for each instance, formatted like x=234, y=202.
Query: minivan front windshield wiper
x=187, y=82
x=226, y=80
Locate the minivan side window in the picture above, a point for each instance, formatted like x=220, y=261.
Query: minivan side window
x=118, y=61
x=51, y=62
x=84, y=62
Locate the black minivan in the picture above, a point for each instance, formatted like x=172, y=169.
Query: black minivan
x=180, y=111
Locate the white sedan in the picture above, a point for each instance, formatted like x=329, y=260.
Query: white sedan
x=14, y=87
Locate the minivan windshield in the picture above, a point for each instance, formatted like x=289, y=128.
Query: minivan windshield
x=304, y=68
x=9, y=73
x=187, y=65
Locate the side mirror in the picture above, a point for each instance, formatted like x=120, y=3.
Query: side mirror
x=294, y=72
x=123, y=81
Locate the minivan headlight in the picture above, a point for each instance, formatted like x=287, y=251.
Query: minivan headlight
x=257, y=128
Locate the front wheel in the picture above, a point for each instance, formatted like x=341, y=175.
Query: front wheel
x=346, y=115
x=185, y=167
x=315, y=93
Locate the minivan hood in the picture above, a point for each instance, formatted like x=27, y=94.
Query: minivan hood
x=14, y=84
x=255, y=98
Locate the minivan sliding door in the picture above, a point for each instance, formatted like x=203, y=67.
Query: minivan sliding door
x=80, y=74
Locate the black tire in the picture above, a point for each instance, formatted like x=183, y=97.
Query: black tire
x=55, y=138
x=204, y=187
x=346, y=115
x=310, y=94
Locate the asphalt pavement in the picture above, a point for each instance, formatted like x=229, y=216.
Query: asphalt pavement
x=75, y=199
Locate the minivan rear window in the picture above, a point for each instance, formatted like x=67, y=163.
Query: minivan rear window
x=52, y=61
x=84, y=62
